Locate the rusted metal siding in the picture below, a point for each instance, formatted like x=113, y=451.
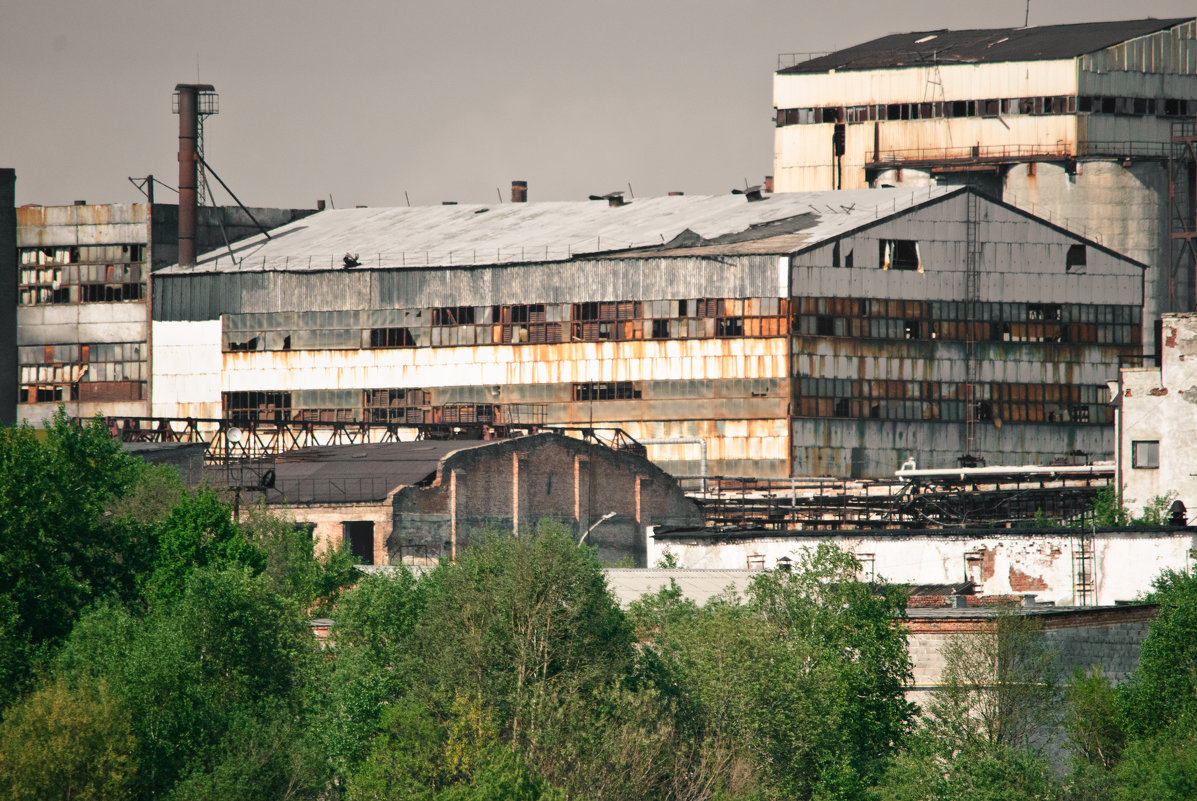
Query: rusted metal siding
x=1172, y=51
x=44, y=226
x=205, y=296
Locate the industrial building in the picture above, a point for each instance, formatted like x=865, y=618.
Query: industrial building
x=82, y=302
x=416, y=503
x=1157, y=425
x=1079, y=566
x=1089, y=125
x=819, y=333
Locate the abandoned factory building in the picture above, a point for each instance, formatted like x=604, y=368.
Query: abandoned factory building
x=82, y=299
x=418, y=502
x=838, y=333
x=1090, y=125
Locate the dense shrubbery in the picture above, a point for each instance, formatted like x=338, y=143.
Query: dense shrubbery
x=151, y=647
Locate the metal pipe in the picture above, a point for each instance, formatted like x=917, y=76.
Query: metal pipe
x=188, y=168
x=702, y=443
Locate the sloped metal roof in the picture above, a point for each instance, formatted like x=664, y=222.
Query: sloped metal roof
x=1042, y=43
x=357, y=473
x=461, y=235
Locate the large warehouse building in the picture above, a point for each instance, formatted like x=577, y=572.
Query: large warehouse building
x=819, y=333
x=1090, y=125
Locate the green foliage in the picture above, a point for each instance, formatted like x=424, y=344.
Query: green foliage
x=1162, y=767
x=998, y=687
x=292, y=567
x=463, y=759
x=981, y=772
x=1163, y=690
x=193, y=669
x=67, y=742
x=59, y=551
x=1107, y=511
x=836, y=711
x=198, y=533
x=518, y=616
x=1092, y=719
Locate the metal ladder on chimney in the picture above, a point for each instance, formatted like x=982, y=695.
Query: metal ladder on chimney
x=972, y=302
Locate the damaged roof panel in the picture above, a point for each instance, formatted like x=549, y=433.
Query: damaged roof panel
x=1041, y=43
x=463, y=235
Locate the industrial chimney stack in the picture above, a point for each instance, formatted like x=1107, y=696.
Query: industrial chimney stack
x=519, y=191
x=188, y=108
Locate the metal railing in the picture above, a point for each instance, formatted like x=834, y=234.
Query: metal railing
x=1007, y=499
x=461, y=257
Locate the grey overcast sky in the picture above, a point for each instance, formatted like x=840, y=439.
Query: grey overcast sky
x=443, y=100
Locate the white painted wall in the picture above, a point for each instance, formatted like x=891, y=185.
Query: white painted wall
x=1160, y=405
x=1124, y=563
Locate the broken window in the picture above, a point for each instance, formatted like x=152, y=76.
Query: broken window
x=453, y=315
x=391, y=338
x=358, y=536
x=609, y=390
x=250, y=407
x=1075, y=260
x=899, y=254
x=1145, y=454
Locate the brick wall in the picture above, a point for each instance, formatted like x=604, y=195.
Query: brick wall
x=512, y=484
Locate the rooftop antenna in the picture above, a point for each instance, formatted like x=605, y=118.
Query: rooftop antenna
x=631, y=194
x=405, y=197
x=1026, y=20
x=500, y=194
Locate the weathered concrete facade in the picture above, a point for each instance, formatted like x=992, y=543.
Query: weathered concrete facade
x=1061, y=566
x=1157, y=425
x=1073, y=122
x=807, y=334
x=83, y=275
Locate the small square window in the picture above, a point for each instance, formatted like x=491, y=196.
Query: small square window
x=1145, y=454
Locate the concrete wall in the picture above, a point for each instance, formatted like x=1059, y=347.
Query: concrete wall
x=328, y=519
x=1117, y=565
x=511, y=485
x=1080, y=638
x=8, y=297
x=1160, y=405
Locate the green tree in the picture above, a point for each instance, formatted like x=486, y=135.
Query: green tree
x=193, y=671
x=59, y=550
x=998, y=687
x=1163, y=690
x=517, y=617
x=373, y=668
x=291, y=564
x=67, y=742
x=1160, y=767
x=982, y=771
x=199, y=532
x=835, y=711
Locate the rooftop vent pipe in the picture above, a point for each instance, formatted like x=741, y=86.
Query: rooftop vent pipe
x=519, y=191
x=752, y=193
x=188, y=99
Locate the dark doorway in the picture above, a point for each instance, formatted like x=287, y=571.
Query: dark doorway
x=359, y=539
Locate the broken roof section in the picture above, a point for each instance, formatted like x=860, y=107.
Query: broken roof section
x=358, y=473
x=464, y=235
x=1043, y=43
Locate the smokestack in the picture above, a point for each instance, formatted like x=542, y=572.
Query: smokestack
x=188, y=111
x=319, y=205
x=769, y=184
x=519, y=191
